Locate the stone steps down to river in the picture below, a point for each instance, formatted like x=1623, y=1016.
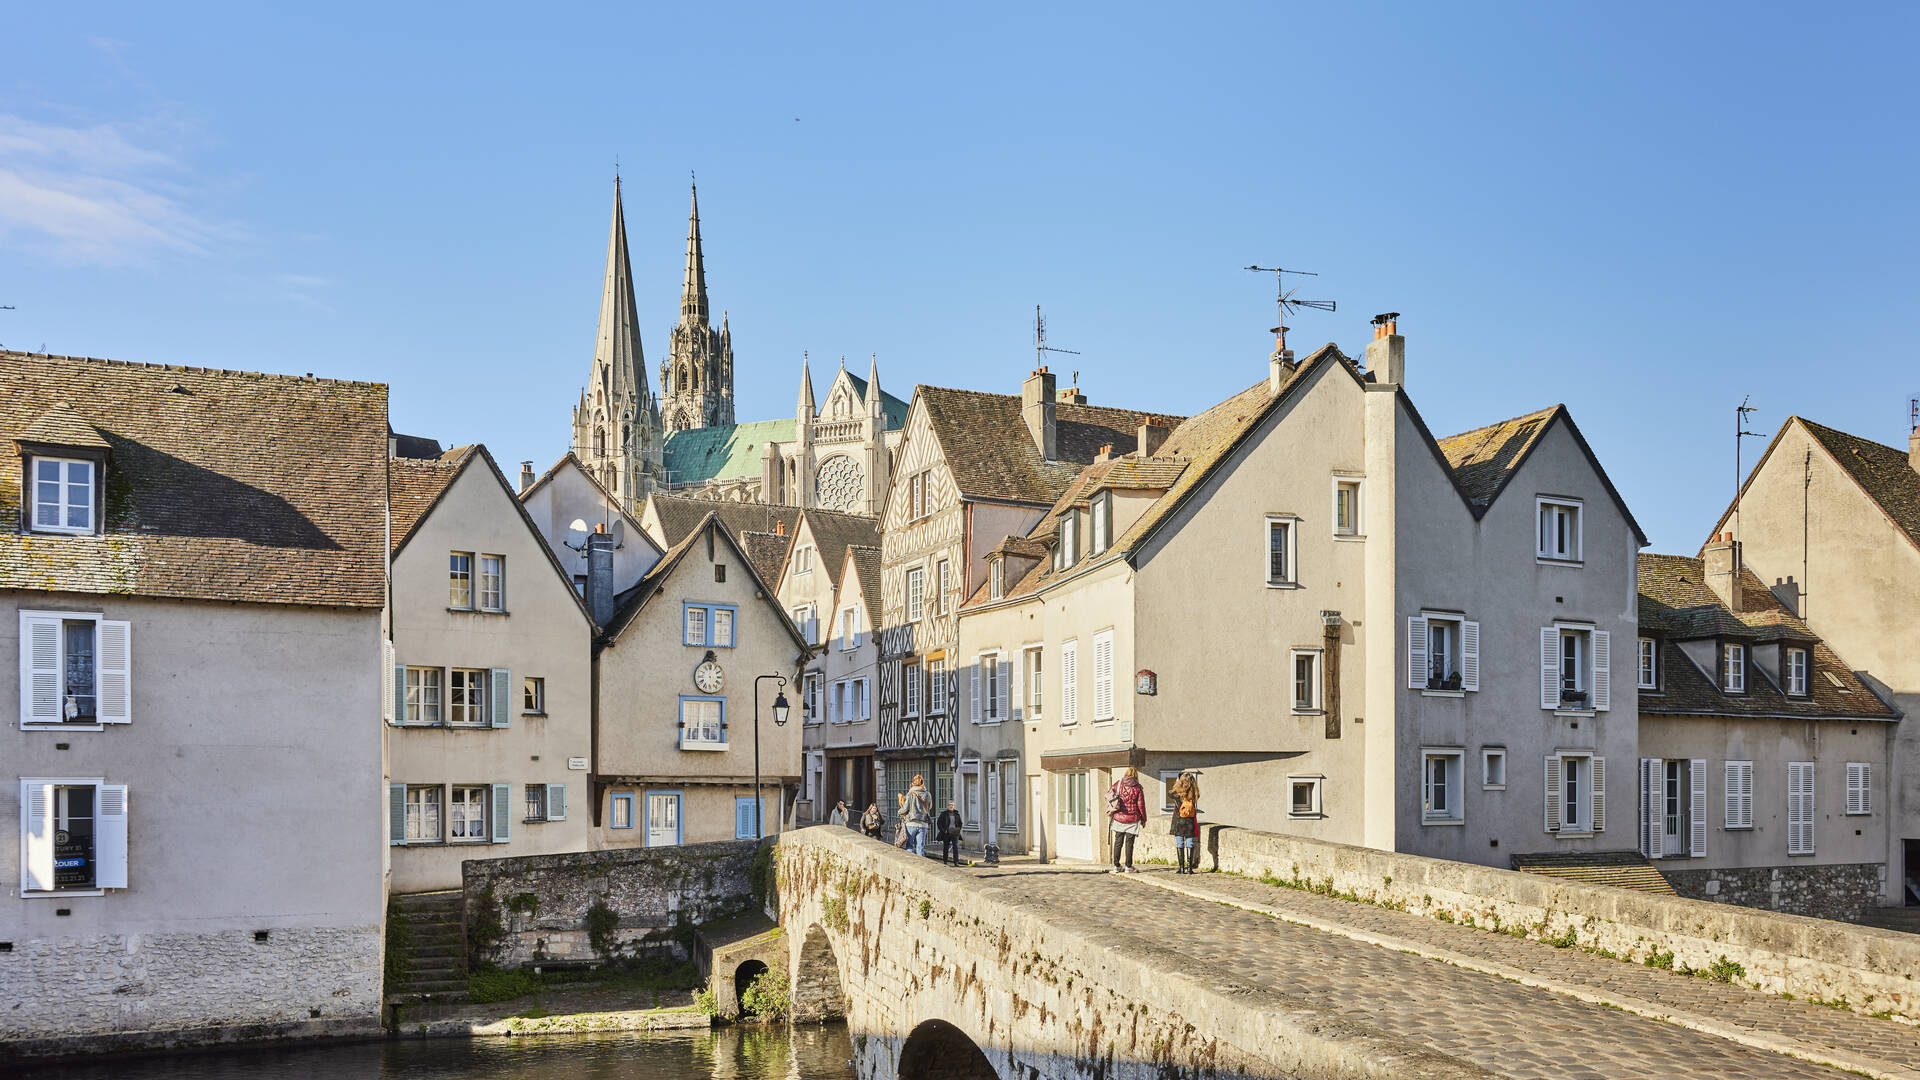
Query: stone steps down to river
x=428, y=928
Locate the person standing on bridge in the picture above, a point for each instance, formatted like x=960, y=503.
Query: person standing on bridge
x=1186, y=822
x=947, y=828
x=1127, y=805
x=871, y=821
x=839, y=815
x=916, y=813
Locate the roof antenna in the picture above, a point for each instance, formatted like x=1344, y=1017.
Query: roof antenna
x=1040, y=346
x=1288, y=305
x=1740, y=432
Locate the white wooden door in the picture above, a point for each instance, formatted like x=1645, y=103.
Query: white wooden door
x=663, y=820
x=1037, y=835
x=1073, y=815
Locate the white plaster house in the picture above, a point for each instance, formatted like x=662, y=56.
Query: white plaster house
x=490, y=723
x=192, y=573
x=567, y=493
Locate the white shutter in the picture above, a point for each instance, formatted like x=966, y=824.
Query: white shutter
x=1599, y=794
x=1549, y=668
x=1746, y=794
x=1103, y=676
x=1602, y=670
x=1697, y=804
x=116, y=672
x=1800, y=808
x=397, y=814
x=1005, y=688
x=813, y=625
x=1731, y=794
x=1553, y=793
x=556, y=802
x=1417, y=653
x=110, y=836
x=500, y=697
x=1470, y=656
x=392, y=691
x=1739, y=794
x=1016, y=680
x=36, y=866
x=1649, y=834
x=866, y=701
x=1070, y=682
x=1859, y=786
x=974, y=680
x=502, y=813
x=40, y=678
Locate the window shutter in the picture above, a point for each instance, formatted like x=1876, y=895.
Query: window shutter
x=1015, y=678
x=974, y=680
x=1599, y=794
x=40, y=680
x=1470, y=656
x=110, y=837
x=1070, y=682
x=36, y=870
x=116, y=673
x=556, y=802
x=1602, y=670
x=1731, y=794
x=397, y=814
x=500, y=697
x=1549, y=668
x=1799, y=808
x=398, y=688
x=1417, y=653
x=502, y=812
x=1553, y=793
x=393, y=691
x=813, y=625
x=1006, y=690
x=1649, y=836
x=1858, y=786
x=1103, y=676
x=1697, y=804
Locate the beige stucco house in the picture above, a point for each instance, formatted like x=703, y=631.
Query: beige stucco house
x=825, y=589
x=567, y=494
x=490, y=726
x=192, y=580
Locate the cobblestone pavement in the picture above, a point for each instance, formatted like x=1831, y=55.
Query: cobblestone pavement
x=1510, y=1029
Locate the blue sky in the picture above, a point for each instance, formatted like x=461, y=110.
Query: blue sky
x=1644, y=211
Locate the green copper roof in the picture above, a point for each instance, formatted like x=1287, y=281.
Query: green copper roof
x=894, y=409
x=727, y=452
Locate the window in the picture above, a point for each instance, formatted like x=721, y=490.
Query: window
x=467, y=815
x=1303, y=796
x=1070, y=681
x=75, y=668
x=1649, y=673
x=1346, y=507
x=533, y=696
x=969, y=796
x=1009, y=794
x=943, y=577
x=746, y=818
x=803, y=621
x=991, y=673
x=1576, y=791
x=996, y=578
x=493, y=583
x=1797, y=672
x=810, y=698
x=1306, y=680
x=536, y=802
x=916, y=594
x=1442, y=803
x=719, y=571
x=1859, y=787
x=460, y=580
x=621, y=816
x=663, y=819
x=1493, y=768
x=1033, y=662
x=1559, y=530
x=709, y=625
x=62, y=495
x=917, y=496
x=803, y=560
x=423, y=815
x=937, y=686
x=467, y=697
x=1799, y=807
x=1103, y=676
x=1576, y=670
x=910, y=689
x=850, y=633
x=703, y=723
x=1100, y=510
x=1280, y=568
x=73, y=836
x=1066, y=551
x=1733, y=669
x=1443, y=653
x=423, y=696
x=1071, y=798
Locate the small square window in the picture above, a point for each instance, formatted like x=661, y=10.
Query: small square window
x=533, y=696
x=1346, y=507
x=1306, y=680
x=1559, y=530
x=1303, y=798
x=1493, y=769
x=536, y=802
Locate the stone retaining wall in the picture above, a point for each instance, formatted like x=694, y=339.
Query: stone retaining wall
x=535, y=909
x=1842, y=891
x=1870, y=970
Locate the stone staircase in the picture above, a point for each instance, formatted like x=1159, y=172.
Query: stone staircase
x=436, y=941
x=1905, y=919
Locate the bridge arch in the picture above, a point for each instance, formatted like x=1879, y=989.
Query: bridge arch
x=743, y=977
x=936, y=1050
x=818, y=993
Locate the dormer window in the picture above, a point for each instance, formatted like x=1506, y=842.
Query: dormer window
x=1067, y=551
x=63, y=496
x=1733, y=669
x=996, y=577
x=1797, y=672
x=1101, y=511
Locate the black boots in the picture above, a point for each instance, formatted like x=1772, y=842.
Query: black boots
x=1189, y=859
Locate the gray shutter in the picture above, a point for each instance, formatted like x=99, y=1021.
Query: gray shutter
x=1553, y=793
x=1697, y=805
x=1470, y=656
x=502, y=813
x=973, y=695
x=110, y=837
x=398, y=714
x=500, y=697
x=1549, y=667
x=389, y=692
x=115, y=677
x=1602, y=670
x=397, y=814
x=1599, y=794
x=40, y=676
x=1649, y=846
x=556, y=802
x=1006, y=690
x=1417, y=653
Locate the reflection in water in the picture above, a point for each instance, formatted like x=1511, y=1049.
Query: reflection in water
x=747, y=1052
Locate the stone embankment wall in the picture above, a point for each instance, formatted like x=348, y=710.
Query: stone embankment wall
x=593, y=906
x=1841, y=891
x=1868, y=970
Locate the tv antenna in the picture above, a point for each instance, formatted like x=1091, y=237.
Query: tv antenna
x=1040, y=346
x=1740, y=432
x=1287, y=304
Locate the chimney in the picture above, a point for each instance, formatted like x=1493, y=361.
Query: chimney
x=1151, y=436
x=1036, y=405
x=526, y=476
x=1387, y=352
x=1072, y=396
x=600, y=575
x=1788, y=593
x=1280, y=367
x=1913, y=450
x=1721, y=561
x=1106, y=452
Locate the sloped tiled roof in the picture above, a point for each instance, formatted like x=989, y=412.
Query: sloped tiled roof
x=866, y=564
x=834, y=532
x=220, y=485
x=1887, y=475
x=1620, y=869
x=892, y=409
x=61, y=426
x=724, y=452
x=416, y=484
x=991, y=454
x=1483, y=459
x=629, y=604
x=767, y=552
x=1677, y=605
x=679, y=516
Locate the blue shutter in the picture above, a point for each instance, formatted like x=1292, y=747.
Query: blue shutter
x=500, y=696
x=742, y=817
x=556, y=802
x=502, y=812
x=397, y=814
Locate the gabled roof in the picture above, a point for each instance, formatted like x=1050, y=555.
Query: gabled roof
x=865, y=560
x=61, y=426
x=722, y=452
x=1886, y=475
x=1485, y=460
x=833, y=532
x=630, y=603
x=679, y=515
x=767, y=551
x=221, y=485
x=1677, y=605
x=607, y=500
x=988, y=449
x=892, y=409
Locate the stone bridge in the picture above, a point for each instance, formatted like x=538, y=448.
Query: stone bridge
x=1027, y=971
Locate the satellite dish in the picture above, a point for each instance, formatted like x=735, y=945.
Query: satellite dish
x=577, y=534
x=619, y=534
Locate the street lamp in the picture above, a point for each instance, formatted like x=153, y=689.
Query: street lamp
x=780, y=710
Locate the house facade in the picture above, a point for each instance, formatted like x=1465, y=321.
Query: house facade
x=192, y=567
x=567, y=494
x=490, y=717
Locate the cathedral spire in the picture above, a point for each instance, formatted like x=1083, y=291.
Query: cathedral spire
x=619, y=365
x=693, y=292
x=873, y=383
x=806, y=387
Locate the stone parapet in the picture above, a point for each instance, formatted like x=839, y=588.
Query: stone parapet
x=1833, y=891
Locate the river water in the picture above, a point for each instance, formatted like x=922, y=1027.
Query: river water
x=746, y=1052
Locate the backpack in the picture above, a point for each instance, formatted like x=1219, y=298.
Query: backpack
x=1114, y=803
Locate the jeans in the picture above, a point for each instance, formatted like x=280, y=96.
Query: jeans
x=950, y=849
x=917, y=837
x=1123, y=842
x=1183, y=842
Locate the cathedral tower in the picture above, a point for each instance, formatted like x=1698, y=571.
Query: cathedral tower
x=616, y=425
x=696, y=379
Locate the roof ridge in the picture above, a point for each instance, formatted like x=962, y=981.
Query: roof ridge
x=1847, y=434
x=1488, y=427
x=189, y=369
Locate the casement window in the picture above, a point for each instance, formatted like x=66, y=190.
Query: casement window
x=1576, y=668
x=1796, y=670
x=703, y=723
x=1673, y=807
x=76, y=669
x=942, y=577
x=1733, y=669
x=1493, y=768
x=996, y=578
x=422, y=703
x=916, y=593
x=467, y=814
x=467, y=697
x=1306, y=680
x=1442, y=783
x=992, y=688
x=910, y=689
x=546, y=802
x=1649, y=670
x=1070, y=681
x=63, y=495
x=1559, y=529
x=851, y=634
x=493, y=583
x=1100, y=513
x=73, y=836
x=969, y=796
x=1799, y=807
x=1443, y=653
x=1010, y=794
x=1033, y=663
x=460, y=580
x=1346, y=508
x=1303, y=796
x=1859, y=787
x=1066, y=549
x=1280, y=554
x=937, y=686
x=746, y=818
x=621, y=812
x=1576, y=791
x=1072, y=798
x=917, y=496
x=805, y=622
x=810, y=698
x=803, y=560
x=422, y=814
x=1103, y=676
x=1739, y=794
x=533, y=696
x=709, y=625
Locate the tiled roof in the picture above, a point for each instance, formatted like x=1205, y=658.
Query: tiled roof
x=1485, y=458
x=834, y=532
x=679, y=516
x=220, y=485
x=767, y=552
x=1887, y=475
x=892, y=409
x=1676, y=605
x=61, y=426
x=725, y=452
x=629, y=604
x=414, y=485
x=866, y=564
x=414, y=446
x=1620, y=869
x=991, y=454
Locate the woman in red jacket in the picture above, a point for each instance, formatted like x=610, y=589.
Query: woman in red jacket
x=1127, y=805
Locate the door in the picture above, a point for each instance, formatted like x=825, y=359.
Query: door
x=663, y=819
x=1073, y=816
x=1911, y=878
x=1037, y=827
x=1673, y=806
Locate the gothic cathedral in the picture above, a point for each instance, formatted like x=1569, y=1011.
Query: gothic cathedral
x=616, y=425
